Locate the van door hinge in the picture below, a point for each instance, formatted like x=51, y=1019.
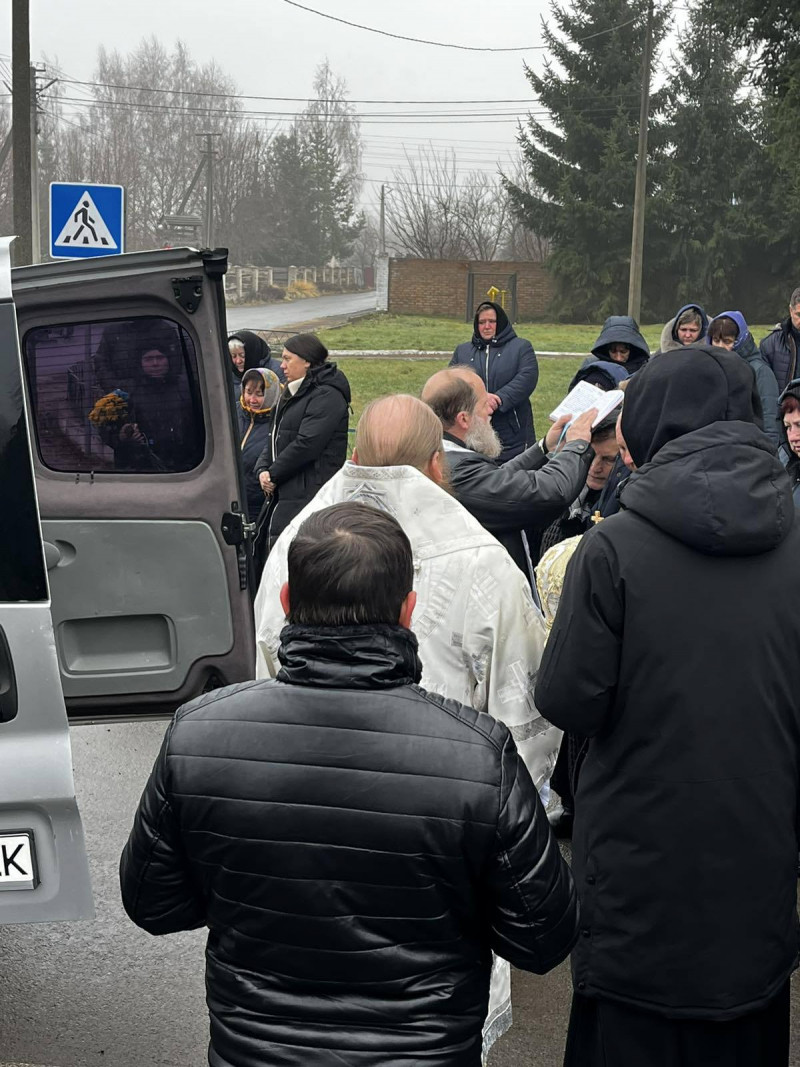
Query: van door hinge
x=188, y=292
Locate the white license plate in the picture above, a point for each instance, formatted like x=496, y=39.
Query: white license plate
x=18, y=861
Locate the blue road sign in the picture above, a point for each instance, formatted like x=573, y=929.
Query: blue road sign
x=86, y=220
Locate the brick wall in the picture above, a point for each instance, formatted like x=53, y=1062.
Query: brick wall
x=439, y=286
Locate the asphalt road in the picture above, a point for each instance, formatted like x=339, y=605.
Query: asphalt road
x=276, y=316
x=105, y=993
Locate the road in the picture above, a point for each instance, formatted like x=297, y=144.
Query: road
x=105, y=993
x=278, y=316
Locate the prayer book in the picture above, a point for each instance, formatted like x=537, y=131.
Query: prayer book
x=585, y=396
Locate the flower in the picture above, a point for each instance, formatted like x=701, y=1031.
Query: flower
x=110, y=410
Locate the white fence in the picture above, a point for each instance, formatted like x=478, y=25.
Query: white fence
x=243, y=283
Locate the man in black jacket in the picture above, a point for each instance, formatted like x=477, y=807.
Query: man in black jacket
x=525, y=493
x=356, y=846
x=690, y=928
x=779, y=349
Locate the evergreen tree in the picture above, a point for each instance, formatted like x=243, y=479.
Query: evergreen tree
x=582, y=162
x=712, y=200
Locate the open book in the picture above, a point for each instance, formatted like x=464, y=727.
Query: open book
x=585, y=396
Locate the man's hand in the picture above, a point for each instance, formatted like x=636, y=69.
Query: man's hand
x=494, y=402
x=131, y=432
x=266, y=483
x=581, y=428
x=554, y=433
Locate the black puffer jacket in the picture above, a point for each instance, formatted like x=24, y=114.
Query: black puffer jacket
x=622, y=329
x=779, y=351
x=308, y=444
x=509, y=369
x=527, y=492
x=689, y=901
x=356, y=848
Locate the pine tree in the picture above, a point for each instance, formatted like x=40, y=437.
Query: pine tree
x=582, y=159
x=712, y=201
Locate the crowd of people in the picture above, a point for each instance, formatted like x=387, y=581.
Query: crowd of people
x=471, y=639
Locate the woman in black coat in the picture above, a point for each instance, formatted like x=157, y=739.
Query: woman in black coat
x=309, y=437
x=688, y=901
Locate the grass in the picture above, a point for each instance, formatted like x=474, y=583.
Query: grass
x=383, y=332
x=371, y=378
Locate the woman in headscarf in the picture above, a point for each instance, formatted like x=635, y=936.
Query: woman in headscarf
x=690, y=926
x=248, y=350
x=261, y=391
x=507, y=364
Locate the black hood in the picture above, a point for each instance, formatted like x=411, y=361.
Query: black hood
x=685, y=390
x=256, y=349
x=719, y=489
x=504, y=332
x=605, y=374
x=328, y=373
x=624, y=330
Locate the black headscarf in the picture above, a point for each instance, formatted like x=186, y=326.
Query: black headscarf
x=682, y=391
x=504, y=331
x=256, y=350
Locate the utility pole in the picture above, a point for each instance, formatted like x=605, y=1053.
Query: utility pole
x=640, y=193
x=36, y=238
x=382, y=229
x=209, y=159
x=23, y=101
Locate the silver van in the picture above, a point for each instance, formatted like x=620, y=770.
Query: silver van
x=116, y=411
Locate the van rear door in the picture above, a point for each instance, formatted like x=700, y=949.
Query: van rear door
x=137, y=467
x=44, y=873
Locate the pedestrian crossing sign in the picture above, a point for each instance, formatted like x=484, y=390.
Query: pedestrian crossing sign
x=86, y=220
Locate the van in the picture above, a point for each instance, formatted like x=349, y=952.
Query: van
x=130, y=590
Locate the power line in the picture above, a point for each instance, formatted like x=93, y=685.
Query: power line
x=284, y=99
x=447, y=44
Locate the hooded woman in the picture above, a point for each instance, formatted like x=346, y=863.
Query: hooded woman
x=507, y=364
x=308, y=443
x=621, y=342
x=261, y=391
x=689, y=326
x=690, y=926
x=729, y=330
x=249, y=351
x=789, y=450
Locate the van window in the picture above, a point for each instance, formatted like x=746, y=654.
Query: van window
x=22, y=573
x=119, y=396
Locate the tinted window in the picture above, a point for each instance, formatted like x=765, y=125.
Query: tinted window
x=119, y=396
x=22, y=575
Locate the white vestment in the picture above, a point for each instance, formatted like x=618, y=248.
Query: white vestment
x=480, y=634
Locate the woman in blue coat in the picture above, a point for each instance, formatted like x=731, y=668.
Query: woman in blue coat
x=261, y=391
x=508, y=366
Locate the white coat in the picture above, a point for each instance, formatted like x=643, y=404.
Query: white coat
x=480, y=634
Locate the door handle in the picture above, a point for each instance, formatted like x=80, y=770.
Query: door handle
x=8, y=682
x=52, y=554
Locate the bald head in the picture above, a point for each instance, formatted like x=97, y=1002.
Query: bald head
x=398, y=431
x=453, y=392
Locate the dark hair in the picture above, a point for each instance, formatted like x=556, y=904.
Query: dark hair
x=307, y=347
x=605, y=429
x=723, y=329
x=349, y=564
x=788, y=404
x=454, y=395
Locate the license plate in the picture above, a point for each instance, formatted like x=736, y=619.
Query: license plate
x=18, y=861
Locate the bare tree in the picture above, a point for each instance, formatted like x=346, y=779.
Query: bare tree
x=520, y=242
x=434, y=213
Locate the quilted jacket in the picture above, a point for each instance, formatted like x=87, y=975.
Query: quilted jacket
x=356, y=847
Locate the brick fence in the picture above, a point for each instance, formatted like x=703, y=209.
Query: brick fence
x=441, y=286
